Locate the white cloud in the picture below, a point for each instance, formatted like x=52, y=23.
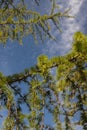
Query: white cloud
x=70, y=26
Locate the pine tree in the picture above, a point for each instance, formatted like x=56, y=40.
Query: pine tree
x=63, y=95
x=17, y=21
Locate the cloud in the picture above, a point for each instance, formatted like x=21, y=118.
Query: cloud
x=69, y=27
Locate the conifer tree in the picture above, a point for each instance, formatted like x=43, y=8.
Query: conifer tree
x=63, y=95
x=17, y=21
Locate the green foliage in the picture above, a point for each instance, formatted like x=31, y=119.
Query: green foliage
x=63, y=94
x=17, y=22
x=80, y=44
x=6, y=91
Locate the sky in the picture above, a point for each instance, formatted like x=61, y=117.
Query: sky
x=14, y=58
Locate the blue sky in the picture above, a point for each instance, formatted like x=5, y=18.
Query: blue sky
x=15, y=58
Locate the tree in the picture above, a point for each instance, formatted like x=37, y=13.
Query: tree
x=16, y=21
x=63, y=94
